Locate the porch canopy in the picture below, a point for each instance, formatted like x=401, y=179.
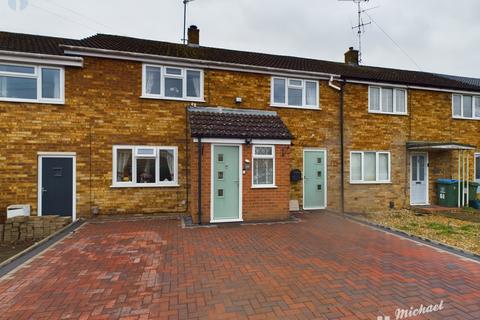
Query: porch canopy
x=463, y=176
x=239, y=124
x=420, y=145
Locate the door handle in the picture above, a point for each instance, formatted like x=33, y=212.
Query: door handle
x=44, y=190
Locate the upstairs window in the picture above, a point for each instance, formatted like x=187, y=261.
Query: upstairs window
x=369, y=167
x=466, y=107
x=172, y=83
x=294, y=93
x=387, y=100
x=145, y=166
x=25, y=83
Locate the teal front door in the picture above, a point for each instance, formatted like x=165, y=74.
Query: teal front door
x=314, y=180
x=226, y=184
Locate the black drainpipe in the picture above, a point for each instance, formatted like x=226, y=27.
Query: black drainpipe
x=342, y=151
x=199, y=180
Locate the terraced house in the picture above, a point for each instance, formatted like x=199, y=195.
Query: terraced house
x=118, y=125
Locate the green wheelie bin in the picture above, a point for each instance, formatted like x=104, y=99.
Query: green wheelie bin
x=447, y=193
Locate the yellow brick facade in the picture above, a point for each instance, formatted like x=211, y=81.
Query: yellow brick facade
x=103, y=108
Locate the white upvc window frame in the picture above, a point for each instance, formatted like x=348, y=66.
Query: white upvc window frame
x=135, y=156
x=163, y=74
x=270, y=157
x=394, y=90
x=304, y=105
x=38, y=76
x=377, y=181
x=462, y=96
x=476, y=168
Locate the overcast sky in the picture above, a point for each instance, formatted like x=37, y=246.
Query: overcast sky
x=439, y=35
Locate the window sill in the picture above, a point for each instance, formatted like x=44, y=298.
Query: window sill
x=144, y=185
x=32, y=101
x=172, y=98
x=295, y=107
x=370, y=182
x=388, y=113
x=463, y=118
x=265, y=187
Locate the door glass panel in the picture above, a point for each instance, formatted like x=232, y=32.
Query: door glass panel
x=220, y=193
x=319, y=187
x=414, y=168
x=421, y=168
x=220, y=157
x=220, y=175
x=319, y=174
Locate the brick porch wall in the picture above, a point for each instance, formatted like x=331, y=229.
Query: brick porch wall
x=258, y=204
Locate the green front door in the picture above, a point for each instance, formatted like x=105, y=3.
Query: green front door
x=314, y=186
x=226, y=183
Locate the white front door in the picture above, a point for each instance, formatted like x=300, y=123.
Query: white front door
x=419, y=179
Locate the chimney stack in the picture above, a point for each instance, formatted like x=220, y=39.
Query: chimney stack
x=351, y=56
x=193, y=36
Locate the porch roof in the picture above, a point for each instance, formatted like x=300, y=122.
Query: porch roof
x=428, y=145
x=218, y=122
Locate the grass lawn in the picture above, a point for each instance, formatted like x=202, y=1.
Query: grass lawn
x=455, y=232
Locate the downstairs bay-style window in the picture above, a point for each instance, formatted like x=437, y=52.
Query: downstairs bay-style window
x=295, y=93
x=145, y=166
x=466, y=107
x=263, y=173
x=387, y=100
x=25, y=83
x=369, y=167
x=160, y=82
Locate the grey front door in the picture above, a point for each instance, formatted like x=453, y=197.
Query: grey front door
x=419, y=179
x=57, y=186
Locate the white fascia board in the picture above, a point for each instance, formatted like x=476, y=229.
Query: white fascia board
x=385, y=84
x=42, y=59
x=193, y=63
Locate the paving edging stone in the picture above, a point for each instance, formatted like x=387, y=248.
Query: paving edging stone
x=20, y=258
x=420, y=239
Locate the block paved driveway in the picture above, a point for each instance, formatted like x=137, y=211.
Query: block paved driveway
x=324, y=267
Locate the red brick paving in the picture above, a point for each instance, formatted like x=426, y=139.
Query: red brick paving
x=324, y=267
